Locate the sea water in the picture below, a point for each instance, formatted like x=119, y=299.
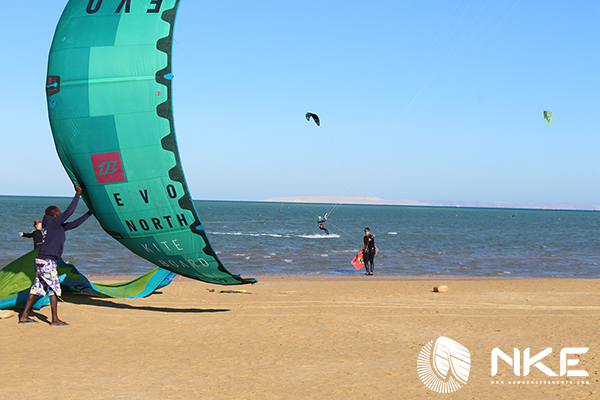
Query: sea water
x=257, y=238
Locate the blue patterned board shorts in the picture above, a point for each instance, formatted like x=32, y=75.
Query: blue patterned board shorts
x=46, y=278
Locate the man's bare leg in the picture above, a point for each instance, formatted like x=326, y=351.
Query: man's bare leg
x=28, y=305
x=54, y=308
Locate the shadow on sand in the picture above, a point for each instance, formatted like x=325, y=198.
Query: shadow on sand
x=104, y=302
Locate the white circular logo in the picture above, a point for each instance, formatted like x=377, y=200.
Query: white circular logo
x=444, y=367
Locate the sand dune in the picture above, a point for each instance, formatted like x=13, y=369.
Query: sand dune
x=433, y=203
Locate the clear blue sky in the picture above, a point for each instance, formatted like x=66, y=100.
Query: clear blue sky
x=420, y=100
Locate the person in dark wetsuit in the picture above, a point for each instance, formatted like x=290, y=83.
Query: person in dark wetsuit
x=37, y=234
x=46, y=279
x=321, y=221
x=369, y=251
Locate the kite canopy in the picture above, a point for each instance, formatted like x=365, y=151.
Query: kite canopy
x=548, y=116
x=315, y=118
x=110, y=109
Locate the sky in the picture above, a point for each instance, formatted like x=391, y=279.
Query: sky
x=425, y=100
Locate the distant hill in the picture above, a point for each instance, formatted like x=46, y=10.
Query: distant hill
x=436, y=203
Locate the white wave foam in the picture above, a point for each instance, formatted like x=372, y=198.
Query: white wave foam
x=333, y=235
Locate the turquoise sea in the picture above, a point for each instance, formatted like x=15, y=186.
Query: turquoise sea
x=258, y=238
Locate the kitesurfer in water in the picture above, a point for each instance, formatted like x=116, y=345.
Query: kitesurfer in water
x=46, y=278
x=321, y=221
x=368, y=251
x=37, y=234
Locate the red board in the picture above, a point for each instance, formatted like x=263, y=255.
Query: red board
x=358, y=261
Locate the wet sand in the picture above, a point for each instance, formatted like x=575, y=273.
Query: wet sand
x=297, y=337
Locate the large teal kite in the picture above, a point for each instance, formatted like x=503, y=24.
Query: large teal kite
x=110, y=109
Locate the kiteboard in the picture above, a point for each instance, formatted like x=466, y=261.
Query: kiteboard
x=358, y=260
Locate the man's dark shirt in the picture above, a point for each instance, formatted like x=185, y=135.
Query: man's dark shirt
x=54, y=243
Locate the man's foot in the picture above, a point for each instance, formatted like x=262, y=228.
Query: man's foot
x=28, y=321
x=60, y=323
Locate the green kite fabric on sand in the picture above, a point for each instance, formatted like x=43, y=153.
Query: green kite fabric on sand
x=17, y=277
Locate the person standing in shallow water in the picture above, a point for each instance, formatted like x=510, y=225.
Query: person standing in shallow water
x=46, y=278
x=369, y=251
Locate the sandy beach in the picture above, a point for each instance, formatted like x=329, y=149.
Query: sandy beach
x=295, y=337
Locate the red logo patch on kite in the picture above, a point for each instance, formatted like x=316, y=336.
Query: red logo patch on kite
x=108, y=167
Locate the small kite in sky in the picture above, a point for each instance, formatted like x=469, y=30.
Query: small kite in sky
x=315, y=117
